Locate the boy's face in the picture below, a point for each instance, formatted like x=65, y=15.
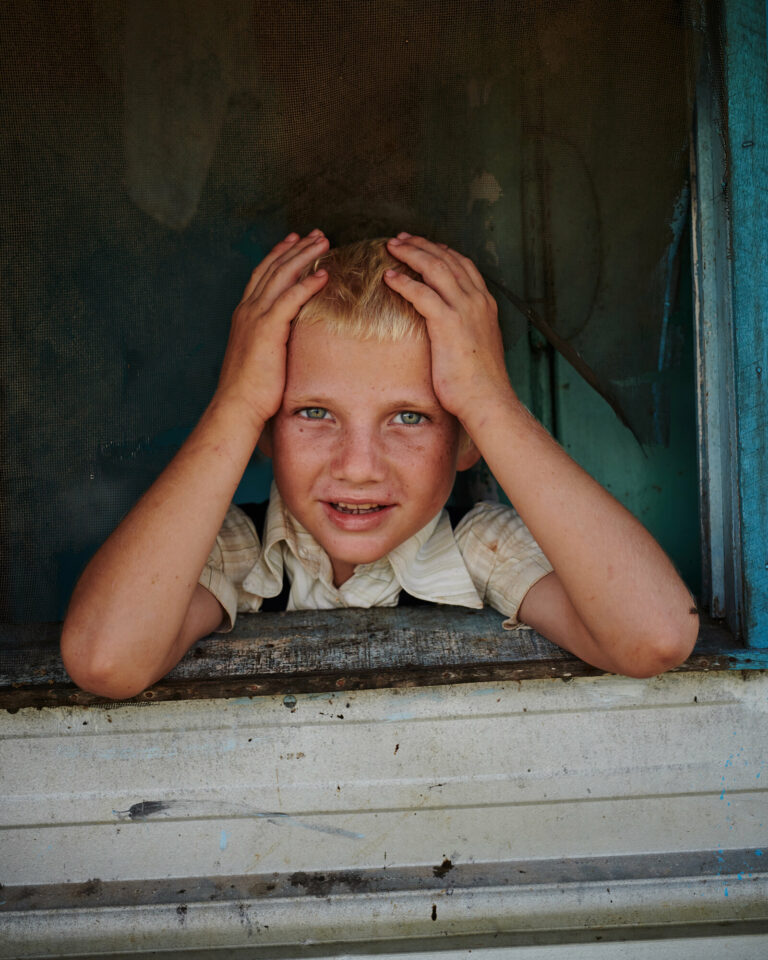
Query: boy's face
x=364, y=455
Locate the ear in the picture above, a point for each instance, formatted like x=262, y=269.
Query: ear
x=265, y=440
x=468, y=452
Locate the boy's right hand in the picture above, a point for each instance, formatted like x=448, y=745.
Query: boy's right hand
x=253, y=369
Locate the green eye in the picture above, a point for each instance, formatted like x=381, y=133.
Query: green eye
x=314, y=413
x=409, y=418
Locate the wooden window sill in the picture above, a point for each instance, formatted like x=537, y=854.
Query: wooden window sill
x=310, y=651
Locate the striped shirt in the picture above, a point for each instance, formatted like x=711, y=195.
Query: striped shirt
x=491, y=558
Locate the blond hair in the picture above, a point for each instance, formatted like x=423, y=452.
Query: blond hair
x=356, y=302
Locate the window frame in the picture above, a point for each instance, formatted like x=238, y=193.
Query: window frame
x=729, y=208
x=729, y=172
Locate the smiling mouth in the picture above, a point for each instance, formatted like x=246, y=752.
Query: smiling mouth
x=358, y=507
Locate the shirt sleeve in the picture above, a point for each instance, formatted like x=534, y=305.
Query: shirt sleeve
x=502, y=557
x=236, y=550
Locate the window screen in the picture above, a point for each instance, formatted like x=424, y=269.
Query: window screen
x=153, y=152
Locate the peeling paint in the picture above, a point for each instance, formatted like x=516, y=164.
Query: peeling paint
x=486, y=188
x=143, y=810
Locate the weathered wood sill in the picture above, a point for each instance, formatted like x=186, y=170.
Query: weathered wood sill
x=335, y=650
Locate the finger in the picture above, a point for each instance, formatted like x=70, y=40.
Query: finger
x=285, y=250
x=258, y=272
x=439, y=270
x=297, y=249
x=424, y=298
x=291, y=300
x=286, y=269
x=456, y=261
x=440, y=252
x=470, y=268
x=461, y=263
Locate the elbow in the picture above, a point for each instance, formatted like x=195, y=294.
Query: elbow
x=95, y=670
x=104, y=679
x=668, y=647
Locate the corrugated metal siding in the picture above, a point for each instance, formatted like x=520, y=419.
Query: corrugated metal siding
x=542, y=770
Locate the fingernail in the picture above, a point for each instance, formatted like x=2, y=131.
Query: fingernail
x=291, y=238
x=318, y=239
x=404, y=235
x=395, y=242
x=320, y=273
x=391, y=273
x=315, y=232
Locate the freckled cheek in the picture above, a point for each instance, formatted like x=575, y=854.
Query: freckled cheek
x=405, y=454
x=429, y=464
x=298, y=448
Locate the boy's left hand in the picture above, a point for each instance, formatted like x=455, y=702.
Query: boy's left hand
x=468, y=369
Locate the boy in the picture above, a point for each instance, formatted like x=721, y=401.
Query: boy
x=369, y=396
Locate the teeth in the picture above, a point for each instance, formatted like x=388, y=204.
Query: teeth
x=356, y=507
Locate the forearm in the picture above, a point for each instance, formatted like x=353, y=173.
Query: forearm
x=615, y=599
x=625, y=591
x=128, y=609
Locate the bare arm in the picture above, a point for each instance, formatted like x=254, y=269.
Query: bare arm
x=614, y=598
x=138, y=606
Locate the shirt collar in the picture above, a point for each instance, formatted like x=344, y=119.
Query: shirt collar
x=428, y=565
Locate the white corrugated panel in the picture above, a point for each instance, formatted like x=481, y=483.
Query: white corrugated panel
x=542, y=770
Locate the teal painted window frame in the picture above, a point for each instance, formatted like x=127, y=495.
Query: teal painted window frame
x=730, y=254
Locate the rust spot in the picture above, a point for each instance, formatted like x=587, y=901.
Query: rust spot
x=321, y=884
x=434, y=911
x=90, y=888
x=397, y=747
x=443, y=868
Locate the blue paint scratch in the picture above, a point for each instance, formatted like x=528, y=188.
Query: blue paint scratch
x=677, y=226
x=277, y=818
x=223, y=840
x=394, y=717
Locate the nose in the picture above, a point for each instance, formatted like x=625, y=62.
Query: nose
x=358, y=457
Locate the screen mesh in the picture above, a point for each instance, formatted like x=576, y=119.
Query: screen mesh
x=153, y=152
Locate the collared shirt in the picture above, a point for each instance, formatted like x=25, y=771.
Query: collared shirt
x=491, y=557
